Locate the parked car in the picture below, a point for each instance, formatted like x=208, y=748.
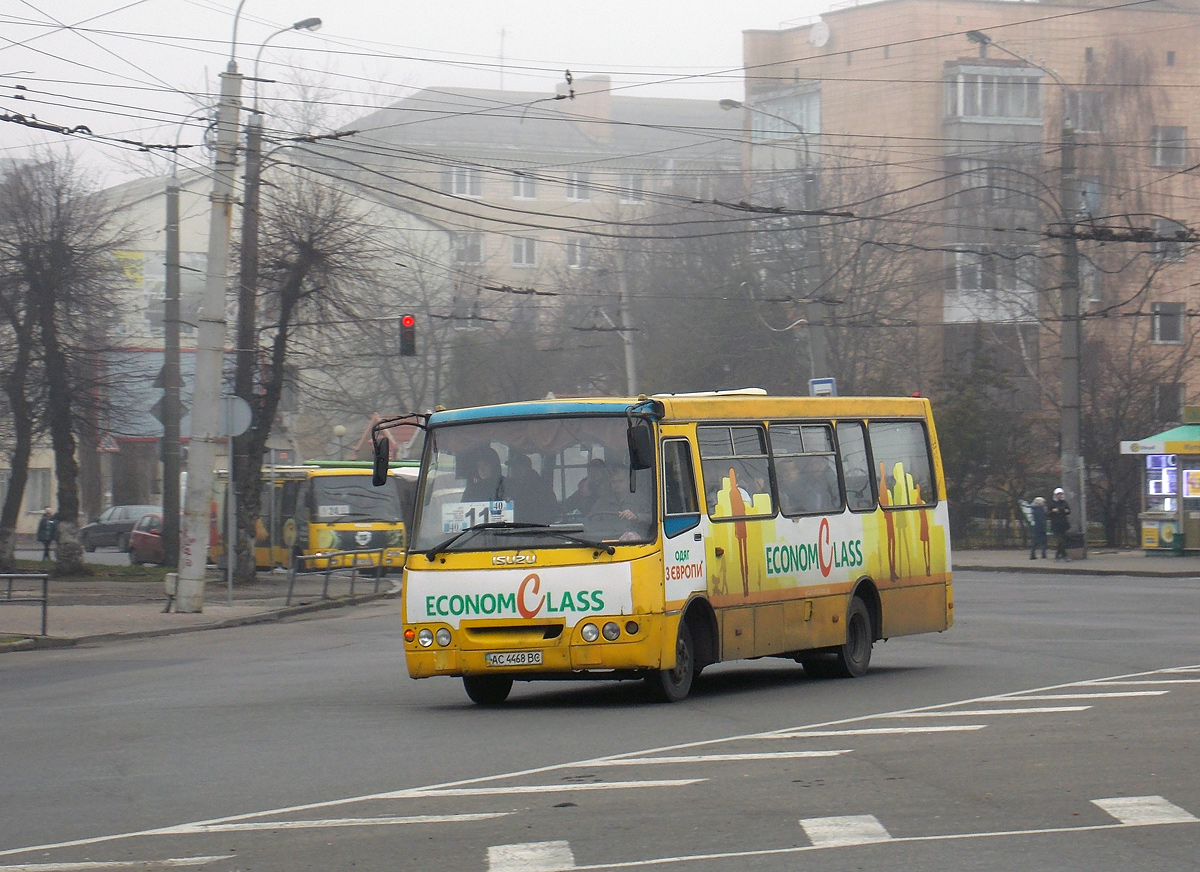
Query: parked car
x=145, y=540
x=113, y=527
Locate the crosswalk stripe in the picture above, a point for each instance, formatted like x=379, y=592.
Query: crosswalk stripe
x=831, y=832
x=983, y=713
x=1143, y=810
x=531, y=857
x=716, y=758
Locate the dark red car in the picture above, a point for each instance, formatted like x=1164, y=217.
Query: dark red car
x=145, y=540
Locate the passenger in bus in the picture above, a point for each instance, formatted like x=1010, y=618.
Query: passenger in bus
x=486, y=483
x=533, y=500
x=807, y=485
x=580, y=502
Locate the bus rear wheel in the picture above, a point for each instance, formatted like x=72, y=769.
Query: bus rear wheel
x=854, y=657
x=487, y=689
x=673, y=685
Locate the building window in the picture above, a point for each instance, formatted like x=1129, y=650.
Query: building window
x=468, y=247
x=1170, y=146
x=978, y=93
x=1091, y=281
x=632, y=188
x=989, y=270
x=800, y=108
x=1085, y=110
x=463, y=181
x=524, y=252
x=578, y=187
x=1169, y=240
x=1168, y=402
x=1167, y=322
x=524, y=186
x=577, y=252
x=1088, y=55
x=1170, y=59
x=37, y=490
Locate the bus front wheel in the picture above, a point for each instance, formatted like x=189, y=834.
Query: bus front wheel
x=487, y=689
x=673, y=685
x=854, y=657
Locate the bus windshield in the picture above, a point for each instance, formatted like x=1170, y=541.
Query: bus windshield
x=546, y=482
x=345, y=498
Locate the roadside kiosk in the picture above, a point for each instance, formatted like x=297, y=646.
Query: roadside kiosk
x=1170, y=516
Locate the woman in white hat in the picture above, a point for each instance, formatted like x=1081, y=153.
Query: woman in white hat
x=1060, y=522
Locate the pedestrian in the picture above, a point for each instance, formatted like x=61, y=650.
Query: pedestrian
x=47, y=531
x=1059, y=513
x=1038, y=513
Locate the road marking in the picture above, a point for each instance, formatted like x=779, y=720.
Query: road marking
x=331, y=823
x=1138, y=811
x=983, y=713
x=1116, y=694
x=1105, y=682
x=719, y=758
x=876, y=731
x=531, y=857
x=835, y=832
x=550, y=788
x=173, y=863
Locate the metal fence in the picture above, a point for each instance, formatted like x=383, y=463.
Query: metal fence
x=337, y=563
x=24, y=594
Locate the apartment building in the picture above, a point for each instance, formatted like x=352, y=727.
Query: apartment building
x=961, y=107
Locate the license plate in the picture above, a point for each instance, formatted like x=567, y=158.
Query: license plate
x=363, y=560
x=514, y=658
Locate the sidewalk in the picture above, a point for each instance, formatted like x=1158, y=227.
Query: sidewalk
x=91, y=611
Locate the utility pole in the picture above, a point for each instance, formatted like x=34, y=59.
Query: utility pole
x=171, y=383
x=626, y=320
x=1071, y=459
x=210, y=351
x=817, y=311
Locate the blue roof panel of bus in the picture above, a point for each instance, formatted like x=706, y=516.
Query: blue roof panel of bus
x=542, y=408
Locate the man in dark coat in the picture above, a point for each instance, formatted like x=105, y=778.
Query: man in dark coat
x=1060, y=522
x=47, y=531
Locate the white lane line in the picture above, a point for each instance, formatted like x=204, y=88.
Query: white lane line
x=983, y=713
x=1116, y=694
x=531, y=857
x=1145, y=810
x=86, y=866
x=1177, y=670
x=876, y=731
x=331, y=823
x=834, y=832
x=1107, y=682
x=549, y=788
x=719, y=758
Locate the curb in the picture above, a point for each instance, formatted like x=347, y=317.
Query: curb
x=1081, y=569
x=38, y=643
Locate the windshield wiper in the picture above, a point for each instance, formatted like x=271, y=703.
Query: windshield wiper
x=516, y=527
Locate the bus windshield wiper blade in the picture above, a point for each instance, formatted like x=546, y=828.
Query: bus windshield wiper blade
x=568, y=534
x=491, y=525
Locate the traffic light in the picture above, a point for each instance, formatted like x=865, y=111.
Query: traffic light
x=408, y=336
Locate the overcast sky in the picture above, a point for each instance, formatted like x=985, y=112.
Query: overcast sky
x=134, y=69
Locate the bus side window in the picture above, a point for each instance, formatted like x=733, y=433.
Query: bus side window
x=736, y=470
x=856, y=466
x=901, y=453
x=679, y=482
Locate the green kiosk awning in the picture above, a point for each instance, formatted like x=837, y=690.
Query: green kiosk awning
x=1184, y=439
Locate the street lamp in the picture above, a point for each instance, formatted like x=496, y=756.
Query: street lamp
x=1070, y=461
x=816, y=309
x=309, y=24
x=339, y=433
x=210, y=345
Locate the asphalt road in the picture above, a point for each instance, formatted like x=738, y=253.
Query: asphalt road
x=1052, y=728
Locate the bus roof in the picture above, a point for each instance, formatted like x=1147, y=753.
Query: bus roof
x=733, y=405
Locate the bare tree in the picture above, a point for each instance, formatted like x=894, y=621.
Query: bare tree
x=56, y=247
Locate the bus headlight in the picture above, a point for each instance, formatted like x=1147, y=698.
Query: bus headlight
x=611, y=631
x=589, y=633
x=443, y=637
x=425, y=637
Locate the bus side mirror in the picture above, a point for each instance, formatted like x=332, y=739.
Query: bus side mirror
x=641, y=447
x=382, y=447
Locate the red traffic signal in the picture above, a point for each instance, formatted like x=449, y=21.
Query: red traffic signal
x=408, y=336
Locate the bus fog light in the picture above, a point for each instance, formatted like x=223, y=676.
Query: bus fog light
x=589, y=633
x=410, y=635
x=611, y=631
x=631, y=628
x=443, y=637
x=425, y=638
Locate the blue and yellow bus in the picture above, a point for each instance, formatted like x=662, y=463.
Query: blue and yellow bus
x=649, y=537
